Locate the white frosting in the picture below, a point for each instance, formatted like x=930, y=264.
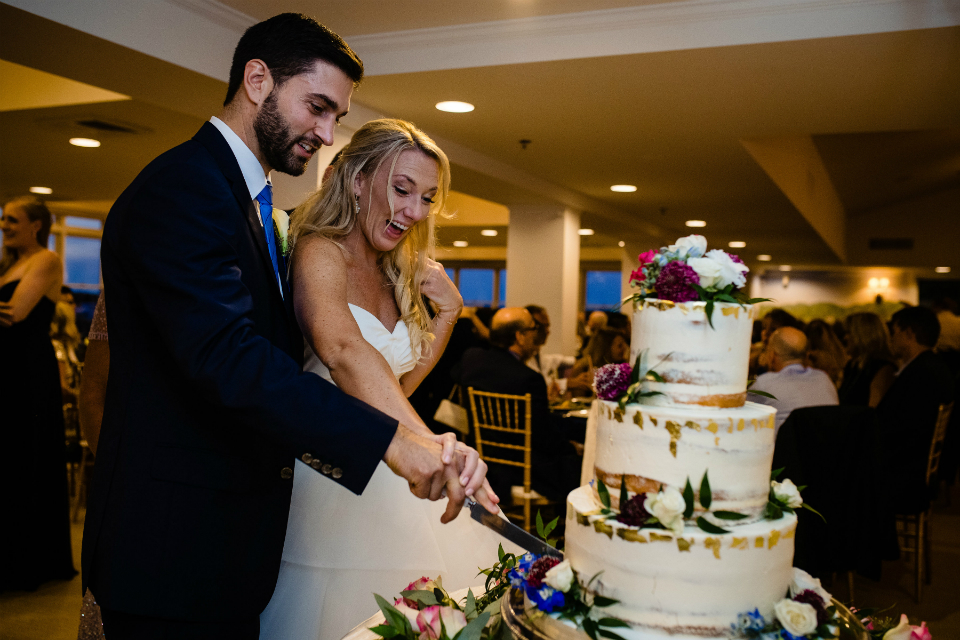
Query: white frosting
x=668, y=445
x=695, y=585
x=698, y=362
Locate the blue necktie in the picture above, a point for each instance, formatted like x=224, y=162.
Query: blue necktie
x=265, y=200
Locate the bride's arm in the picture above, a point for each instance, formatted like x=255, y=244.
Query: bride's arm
x=320, y=304
x=438, y=287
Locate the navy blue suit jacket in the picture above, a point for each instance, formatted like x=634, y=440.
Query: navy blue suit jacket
x=206, y=407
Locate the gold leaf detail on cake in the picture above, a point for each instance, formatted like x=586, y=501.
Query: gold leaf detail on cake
x=618, y=414
x=712, y=427
x=631, y=536
x=582, y=519
x=713, y=543
x=683, y=544
x=690, y=424
x=730, y=428
x=774, y=538
x=657, y=537
x=732, y=311
x=755, y=423
x=674, y=429
x=602, y=527
x=759, y=542
x=789, y=534
x=740, y=425
x=770, y=421
x=739, y=543
x=638, y=419
x=716, y=441
x=653, y=421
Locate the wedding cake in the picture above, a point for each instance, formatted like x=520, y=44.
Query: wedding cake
x=688, y=549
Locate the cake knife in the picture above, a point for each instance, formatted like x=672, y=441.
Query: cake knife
x=510, y=531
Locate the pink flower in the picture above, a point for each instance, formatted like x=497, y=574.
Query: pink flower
x=410, y=613
x=453, y=620
x=637, y=275
x=612, y=380
x=646, y=258
x=428, y=622
x=423, y=584
x=920, y=633
x=674, y=283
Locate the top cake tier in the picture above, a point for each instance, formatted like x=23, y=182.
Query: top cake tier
x=700, y=365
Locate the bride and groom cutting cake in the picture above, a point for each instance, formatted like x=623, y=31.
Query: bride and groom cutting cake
x=226, y=330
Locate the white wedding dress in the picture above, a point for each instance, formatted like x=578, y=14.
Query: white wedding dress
x=342, y=548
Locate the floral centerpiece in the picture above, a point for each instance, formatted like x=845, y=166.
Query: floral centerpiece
x=687, y=272
x=805, y=612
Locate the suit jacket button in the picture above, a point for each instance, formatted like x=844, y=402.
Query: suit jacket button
x=307, y=458
x=315, y=464
x=326, y=469
x=286, y=473
x=337, y=474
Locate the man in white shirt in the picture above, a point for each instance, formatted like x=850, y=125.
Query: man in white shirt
x=793, y=384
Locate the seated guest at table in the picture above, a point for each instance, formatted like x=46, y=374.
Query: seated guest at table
x=792, y=383
x=824, y=350
x=546, y=364
x=775, y=319
x=908, y=411
x=606, y=346
x=869, y=372
x=501, y=369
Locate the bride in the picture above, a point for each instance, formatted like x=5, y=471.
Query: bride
x=360, y=277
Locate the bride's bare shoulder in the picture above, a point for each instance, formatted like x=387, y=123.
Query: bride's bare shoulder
x=318, y=251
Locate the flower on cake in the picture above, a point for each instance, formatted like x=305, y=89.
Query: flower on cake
x=676, y=281
x=806, y=613
x=612, y=380
x=787, y=493
x=797, y=618
x=803, y=581
x=560, y=576
x=667, y=506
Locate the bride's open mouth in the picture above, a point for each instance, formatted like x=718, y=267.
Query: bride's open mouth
x=396, y=229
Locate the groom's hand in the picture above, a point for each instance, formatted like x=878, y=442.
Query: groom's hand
x=472, y=473
x=419, y=460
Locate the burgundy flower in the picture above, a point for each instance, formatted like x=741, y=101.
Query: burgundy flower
x=674, y=282
x=735, y=258
x=637, y=275
x=539, y=569
x=611, y=380
x=813, y=599
x=633, y=512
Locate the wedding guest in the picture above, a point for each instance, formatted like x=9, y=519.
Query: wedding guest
x=66, y=343
x=595, y=321
x=606, y=346
x=789, y=380
x=35, y=540
x=870, y=370
x=775, y=319
x=501, y=369
x=824, y=350
x=908, y=411
x=546, y=364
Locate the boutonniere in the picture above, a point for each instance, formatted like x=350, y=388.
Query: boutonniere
x=281, y=225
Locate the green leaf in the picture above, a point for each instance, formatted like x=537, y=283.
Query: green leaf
x=772, y=512
x=709, y=311
x=624, y=494
x=602, y=492
x=758, y=300
x=635, y=373
x=706, y=496
x=603, y=601
x=612, y=622
x=656, y=376
x=762, y=393
x=470, y=608
x=590, y=626
x=500, y=553
x=776, y=472
x=610, y=634
x=708, y=526
x=474, y=628
x=730, y=515
x=726, y=297
x=688, y=499
x=393, y=617
x=551, y=526
x=384, y=631
x=809, y=508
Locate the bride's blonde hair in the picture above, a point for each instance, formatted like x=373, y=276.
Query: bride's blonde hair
x=331, y=212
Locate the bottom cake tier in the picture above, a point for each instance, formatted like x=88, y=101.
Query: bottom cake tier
x=694, y=585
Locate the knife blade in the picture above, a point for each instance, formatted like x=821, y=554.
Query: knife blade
x=510, y=531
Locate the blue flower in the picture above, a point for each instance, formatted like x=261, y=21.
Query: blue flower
x=790, y=636
x=518, y=575
x=546, y=598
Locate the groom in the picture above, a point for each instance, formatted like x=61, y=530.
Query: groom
x=207, y=407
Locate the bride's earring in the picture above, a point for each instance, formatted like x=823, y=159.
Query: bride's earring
x=357, y=196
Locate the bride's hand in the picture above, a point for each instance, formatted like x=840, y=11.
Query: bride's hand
x=473, y=475
x=439, y=289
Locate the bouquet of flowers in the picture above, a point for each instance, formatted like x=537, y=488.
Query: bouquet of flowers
x=881, y=628
x=427, y=612
x=687, y=272
x=806, y=612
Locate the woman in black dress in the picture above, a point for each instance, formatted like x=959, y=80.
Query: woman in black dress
x=35, y=538
x=870, y=370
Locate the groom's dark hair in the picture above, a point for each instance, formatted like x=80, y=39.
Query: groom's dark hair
x=289, y=44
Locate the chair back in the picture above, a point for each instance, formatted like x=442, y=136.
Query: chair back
x=936, y=445
x=501, y=424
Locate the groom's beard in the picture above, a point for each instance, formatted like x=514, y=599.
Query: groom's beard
x=277, y=141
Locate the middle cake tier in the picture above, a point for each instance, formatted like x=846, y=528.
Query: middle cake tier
x=648, y=446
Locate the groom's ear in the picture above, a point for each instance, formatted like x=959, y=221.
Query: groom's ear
x=257, y=81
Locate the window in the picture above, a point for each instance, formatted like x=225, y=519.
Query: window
x=81, y=262
x=476, y=287
x=602, y=290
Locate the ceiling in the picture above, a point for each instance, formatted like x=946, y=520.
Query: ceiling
x=881, y=109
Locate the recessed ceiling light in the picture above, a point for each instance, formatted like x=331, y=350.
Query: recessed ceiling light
x=764, y=258
x=942, y=269
x=42, y=190
x=460, y=243
x=621, y=244
x=454, y=106
x=586, y=232
x=786, y=267
x=695, y=223
x=488, y=232
x=84, y=142
x=623, y=188
x=737, y=244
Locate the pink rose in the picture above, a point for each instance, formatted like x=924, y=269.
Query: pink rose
x=423, y=584
x=637, y=276
x=646, y=258
x=454, y=620
x=411, y=613
x=428, y=621
x=920, y=633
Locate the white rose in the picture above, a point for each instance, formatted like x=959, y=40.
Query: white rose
x=692, y=246
x=803, y=581
x=799, y=618
x=667, y=507
x=787, y=493
x=708, y=271
x=731, y=272
x=560, y=577
x=902, y=631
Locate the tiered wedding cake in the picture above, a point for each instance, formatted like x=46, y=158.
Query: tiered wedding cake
x=678, y=577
